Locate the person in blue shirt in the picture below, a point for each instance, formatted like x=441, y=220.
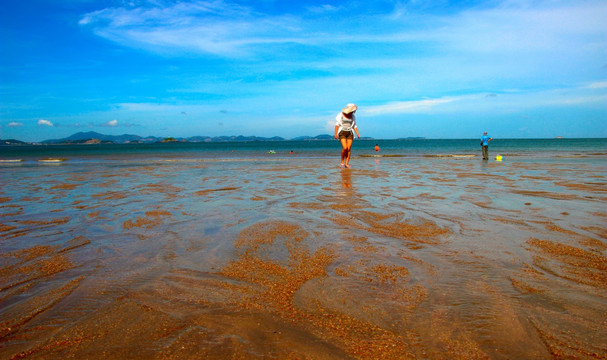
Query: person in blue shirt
x=485, y=145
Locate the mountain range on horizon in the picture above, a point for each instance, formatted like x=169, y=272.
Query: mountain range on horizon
x=92, y=137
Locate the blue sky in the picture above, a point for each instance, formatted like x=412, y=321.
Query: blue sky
x=437, y=69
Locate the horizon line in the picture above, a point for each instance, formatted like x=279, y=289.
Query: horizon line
x=298, y=138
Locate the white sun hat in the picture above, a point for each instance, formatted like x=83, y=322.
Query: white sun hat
x=350, y=108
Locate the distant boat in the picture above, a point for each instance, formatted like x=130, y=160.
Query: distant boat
x=559, y=137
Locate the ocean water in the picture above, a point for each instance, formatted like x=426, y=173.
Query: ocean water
x=223, y=250
x=534, y=148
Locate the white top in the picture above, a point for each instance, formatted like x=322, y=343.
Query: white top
x=344, y=123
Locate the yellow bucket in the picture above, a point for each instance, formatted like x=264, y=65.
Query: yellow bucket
x=498, y=158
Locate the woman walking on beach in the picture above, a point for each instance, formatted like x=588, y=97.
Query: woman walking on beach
x=345, y=126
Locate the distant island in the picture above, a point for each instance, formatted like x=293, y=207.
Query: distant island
x=91, y=137
x=12, y=142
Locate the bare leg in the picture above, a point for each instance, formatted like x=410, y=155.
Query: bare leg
x=344, y=150
x=349, y=151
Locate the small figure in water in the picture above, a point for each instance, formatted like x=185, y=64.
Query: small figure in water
x=377, y=147
x=485, y=145
x=345, y=126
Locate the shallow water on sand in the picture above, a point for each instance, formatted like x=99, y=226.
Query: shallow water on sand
x=394, y=258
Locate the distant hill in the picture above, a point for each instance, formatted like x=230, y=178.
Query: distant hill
x=83, y=137
x=92, y=137
x=317, y=137
x=12, y=142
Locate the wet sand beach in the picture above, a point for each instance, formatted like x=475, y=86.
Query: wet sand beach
x=395, y=258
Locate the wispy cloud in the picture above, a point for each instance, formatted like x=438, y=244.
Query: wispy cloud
x=514, y=100
x=325, y=9
x=111, y=123
x=43, y=122
x=400, y=107
x=598, y=85
x=214, y=27
x=525, y=26
x=161, y=108
x=228, y=29
x=14, y=124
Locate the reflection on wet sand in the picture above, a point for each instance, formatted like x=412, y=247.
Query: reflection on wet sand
x=397, y=259
x=346, y=178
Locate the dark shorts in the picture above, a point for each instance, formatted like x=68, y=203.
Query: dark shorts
x=346, y=135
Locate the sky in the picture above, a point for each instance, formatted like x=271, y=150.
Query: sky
x=417, y=68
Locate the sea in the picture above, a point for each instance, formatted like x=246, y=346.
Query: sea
x=269, y=249
x=408, y=148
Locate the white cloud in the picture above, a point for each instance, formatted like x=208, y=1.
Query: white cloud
x=227, y=29
x=330, y=126
x=400, y=107
x=14, y=124
x=111, y=123
x=323, y=9
x=514, y=100
x=215, y=27
x=598, y=99
x=598, y=85
x=152, y=107
x=525, y=27
x=43, y=122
